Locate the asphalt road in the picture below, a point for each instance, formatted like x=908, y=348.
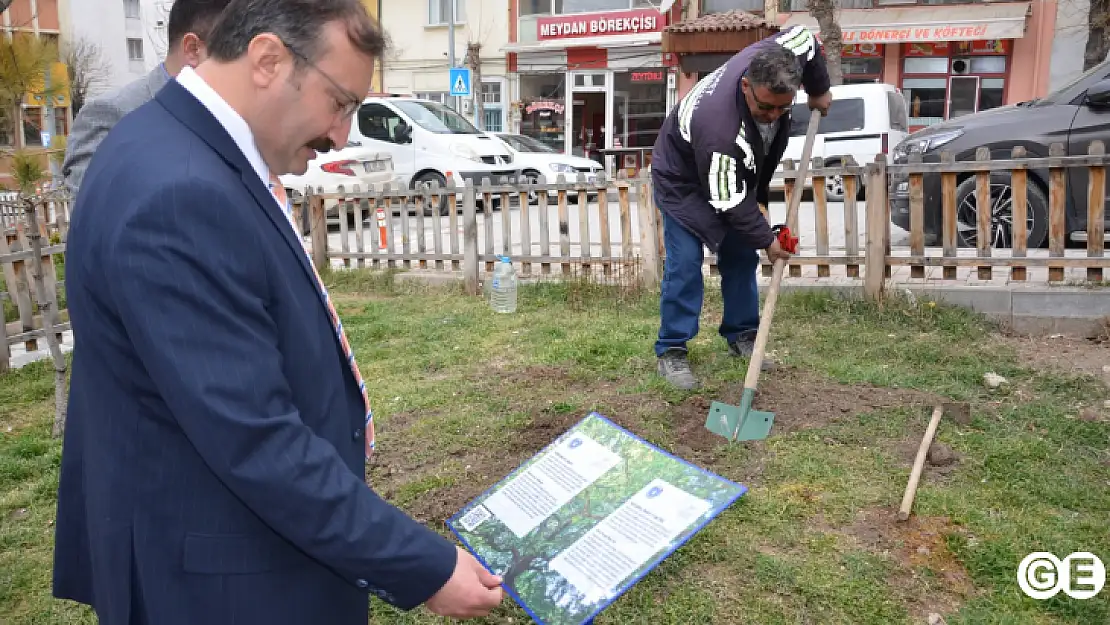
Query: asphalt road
x=806, y=222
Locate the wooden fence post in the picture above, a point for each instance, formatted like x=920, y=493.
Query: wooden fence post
x=1096, y=198
x=318, y=232
x=1057, y=212
x=470, y=238
x=877, y=231
x=48, y=305
x=649, y=233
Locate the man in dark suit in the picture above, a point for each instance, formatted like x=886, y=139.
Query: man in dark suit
x=188, y=26
x=214, y=461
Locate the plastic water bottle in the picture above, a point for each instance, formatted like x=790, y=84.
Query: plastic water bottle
x=503, y=286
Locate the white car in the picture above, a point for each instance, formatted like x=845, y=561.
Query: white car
x=535, y=159
x=340, y=171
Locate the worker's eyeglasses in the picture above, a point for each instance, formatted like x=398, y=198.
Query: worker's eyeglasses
x=345, y=106
x=767, y=106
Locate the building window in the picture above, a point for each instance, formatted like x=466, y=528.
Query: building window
x=32, y=126
x=721, y=6
x=543, y=108
x=61, y=122
x=950, y=79
x=560, y=7
x=135, y=49
x=493, y=105
x=439, y=11
x=443, y=97
x=131, y=9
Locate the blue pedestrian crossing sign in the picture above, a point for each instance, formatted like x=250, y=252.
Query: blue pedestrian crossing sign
x=460, y=81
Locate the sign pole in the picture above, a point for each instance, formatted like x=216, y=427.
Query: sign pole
x=451, y=49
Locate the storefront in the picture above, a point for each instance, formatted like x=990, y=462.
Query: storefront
x=948, y=61
x=593, y=84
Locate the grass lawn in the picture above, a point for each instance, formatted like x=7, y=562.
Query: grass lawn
x=463, y=395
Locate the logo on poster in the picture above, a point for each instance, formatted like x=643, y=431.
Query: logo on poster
x=654, y=492
x=577, y=442
x=1041, y=575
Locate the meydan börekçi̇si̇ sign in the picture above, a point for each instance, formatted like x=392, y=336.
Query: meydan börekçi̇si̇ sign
x=599, y=24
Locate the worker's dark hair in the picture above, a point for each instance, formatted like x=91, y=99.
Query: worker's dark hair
x=775, y=69
x=192, y=16
x=298, y=23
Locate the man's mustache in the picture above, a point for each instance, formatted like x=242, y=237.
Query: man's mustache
x=321, y=144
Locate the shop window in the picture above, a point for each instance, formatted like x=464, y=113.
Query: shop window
x=640, y=99
x=443, y=97
x=535, y=7
x=991, y=92
x=439, y=11
x=543, y=108
x=926, y=65
x=988, y=64
x=925, y=99
x=721, y=6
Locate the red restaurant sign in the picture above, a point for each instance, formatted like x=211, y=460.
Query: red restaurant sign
x=595, y=24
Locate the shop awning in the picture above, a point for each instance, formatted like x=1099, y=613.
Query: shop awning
x=964, y=22
x=609, y=41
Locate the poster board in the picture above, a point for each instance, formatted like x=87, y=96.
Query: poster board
x=580, y=522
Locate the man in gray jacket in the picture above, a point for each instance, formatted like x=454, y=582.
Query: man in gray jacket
x=189, y=23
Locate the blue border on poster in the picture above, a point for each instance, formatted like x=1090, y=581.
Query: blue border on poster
x=618, y=592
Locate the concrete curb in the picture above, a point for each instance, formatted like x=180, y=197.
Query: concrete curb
x=1033, y=310
x=1023, y=309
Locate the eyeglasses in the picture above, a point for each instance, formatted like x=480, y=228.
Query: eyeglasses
x=345, y=106
x=767, y=106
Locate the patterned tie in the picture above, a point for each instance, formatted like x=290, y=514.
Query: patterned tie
x=279, y=192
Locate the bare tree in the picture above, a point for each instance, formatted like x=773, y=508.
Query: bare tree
x=1098, y=34
x=474, y=61
x=825, y=12
x=89, y=70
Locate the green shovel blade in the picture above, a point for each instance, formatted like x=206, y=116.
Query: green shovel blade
x=754, y=425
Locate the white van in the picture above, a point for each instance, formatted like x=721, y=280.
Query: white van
x=864, y=120
x=427, y=141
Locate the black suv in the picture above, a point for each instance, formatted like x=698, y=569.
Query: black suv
x=1073, y=115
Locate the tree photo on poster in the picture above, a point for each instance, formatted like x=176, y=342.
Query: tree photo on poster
x=531, y=565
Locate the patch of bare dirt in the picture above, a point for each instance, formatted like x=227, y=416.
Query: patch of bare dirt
x=940, y=462
x=799, y=399
x=1066, y=354
x=915, y=544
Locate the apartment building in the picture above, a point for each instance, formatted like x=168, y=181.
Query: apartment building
x=417, y=64
x=131, y=34
x=32, y=124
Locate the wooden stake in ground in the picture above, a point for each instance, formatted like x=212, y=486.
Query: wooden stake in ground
x=47, y=304
x=919, y=464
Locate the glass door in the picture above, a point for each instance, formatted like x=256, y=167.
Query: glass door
x=589, y=113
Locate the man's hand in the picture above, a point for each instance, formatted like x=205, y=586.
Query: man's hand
x=775, y=252
x=471, y=592
x=821, y=103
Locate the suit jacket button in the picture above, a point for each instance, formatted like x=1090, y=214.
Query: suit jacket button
x=357, y=434
x=361, y=583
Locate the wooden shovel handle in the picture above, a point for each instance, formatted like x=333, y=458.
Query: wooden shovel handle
x=919, y=463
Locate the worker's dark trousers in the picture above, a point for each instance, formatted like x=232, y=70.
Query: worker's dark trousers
x=683, y=288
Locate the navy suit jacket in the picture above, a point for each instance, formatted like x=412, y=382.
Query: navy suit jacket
x=213, y=469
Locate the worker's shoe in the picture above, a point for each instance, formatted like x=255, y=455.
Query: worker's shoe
x=675, y=368
x=743, y=347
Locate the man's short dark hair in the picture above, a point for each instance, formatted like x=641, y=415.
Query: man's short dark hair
x=192, y=16
x=298, y=23
x=776, y=69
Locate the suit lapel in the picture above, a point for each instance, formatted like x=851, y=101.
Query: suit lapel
x=195, y=116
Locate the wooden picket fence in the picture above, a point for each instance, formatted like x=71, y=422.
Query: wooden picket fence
x=389, y=228
x=31, y=298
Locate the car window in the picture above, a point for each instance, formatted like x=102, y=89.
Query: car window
x=378, y=122
x=896, y=104
x=844, y=116
x=435, y=117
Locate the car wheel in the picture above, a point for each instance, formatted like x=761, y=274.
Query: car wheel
x=834, y=185
x=433, y=179
x=1002, y=217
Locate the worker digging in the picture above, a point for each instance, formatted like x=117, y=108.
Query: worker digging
x=711, y=167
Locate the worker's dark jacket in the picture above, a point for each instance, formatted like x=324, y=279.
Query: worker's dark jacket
x=709, y=166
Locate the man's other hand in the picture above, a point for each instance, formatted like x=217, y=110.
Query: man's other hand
x=775, y=252
x=821, y=103
x=471, y=592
